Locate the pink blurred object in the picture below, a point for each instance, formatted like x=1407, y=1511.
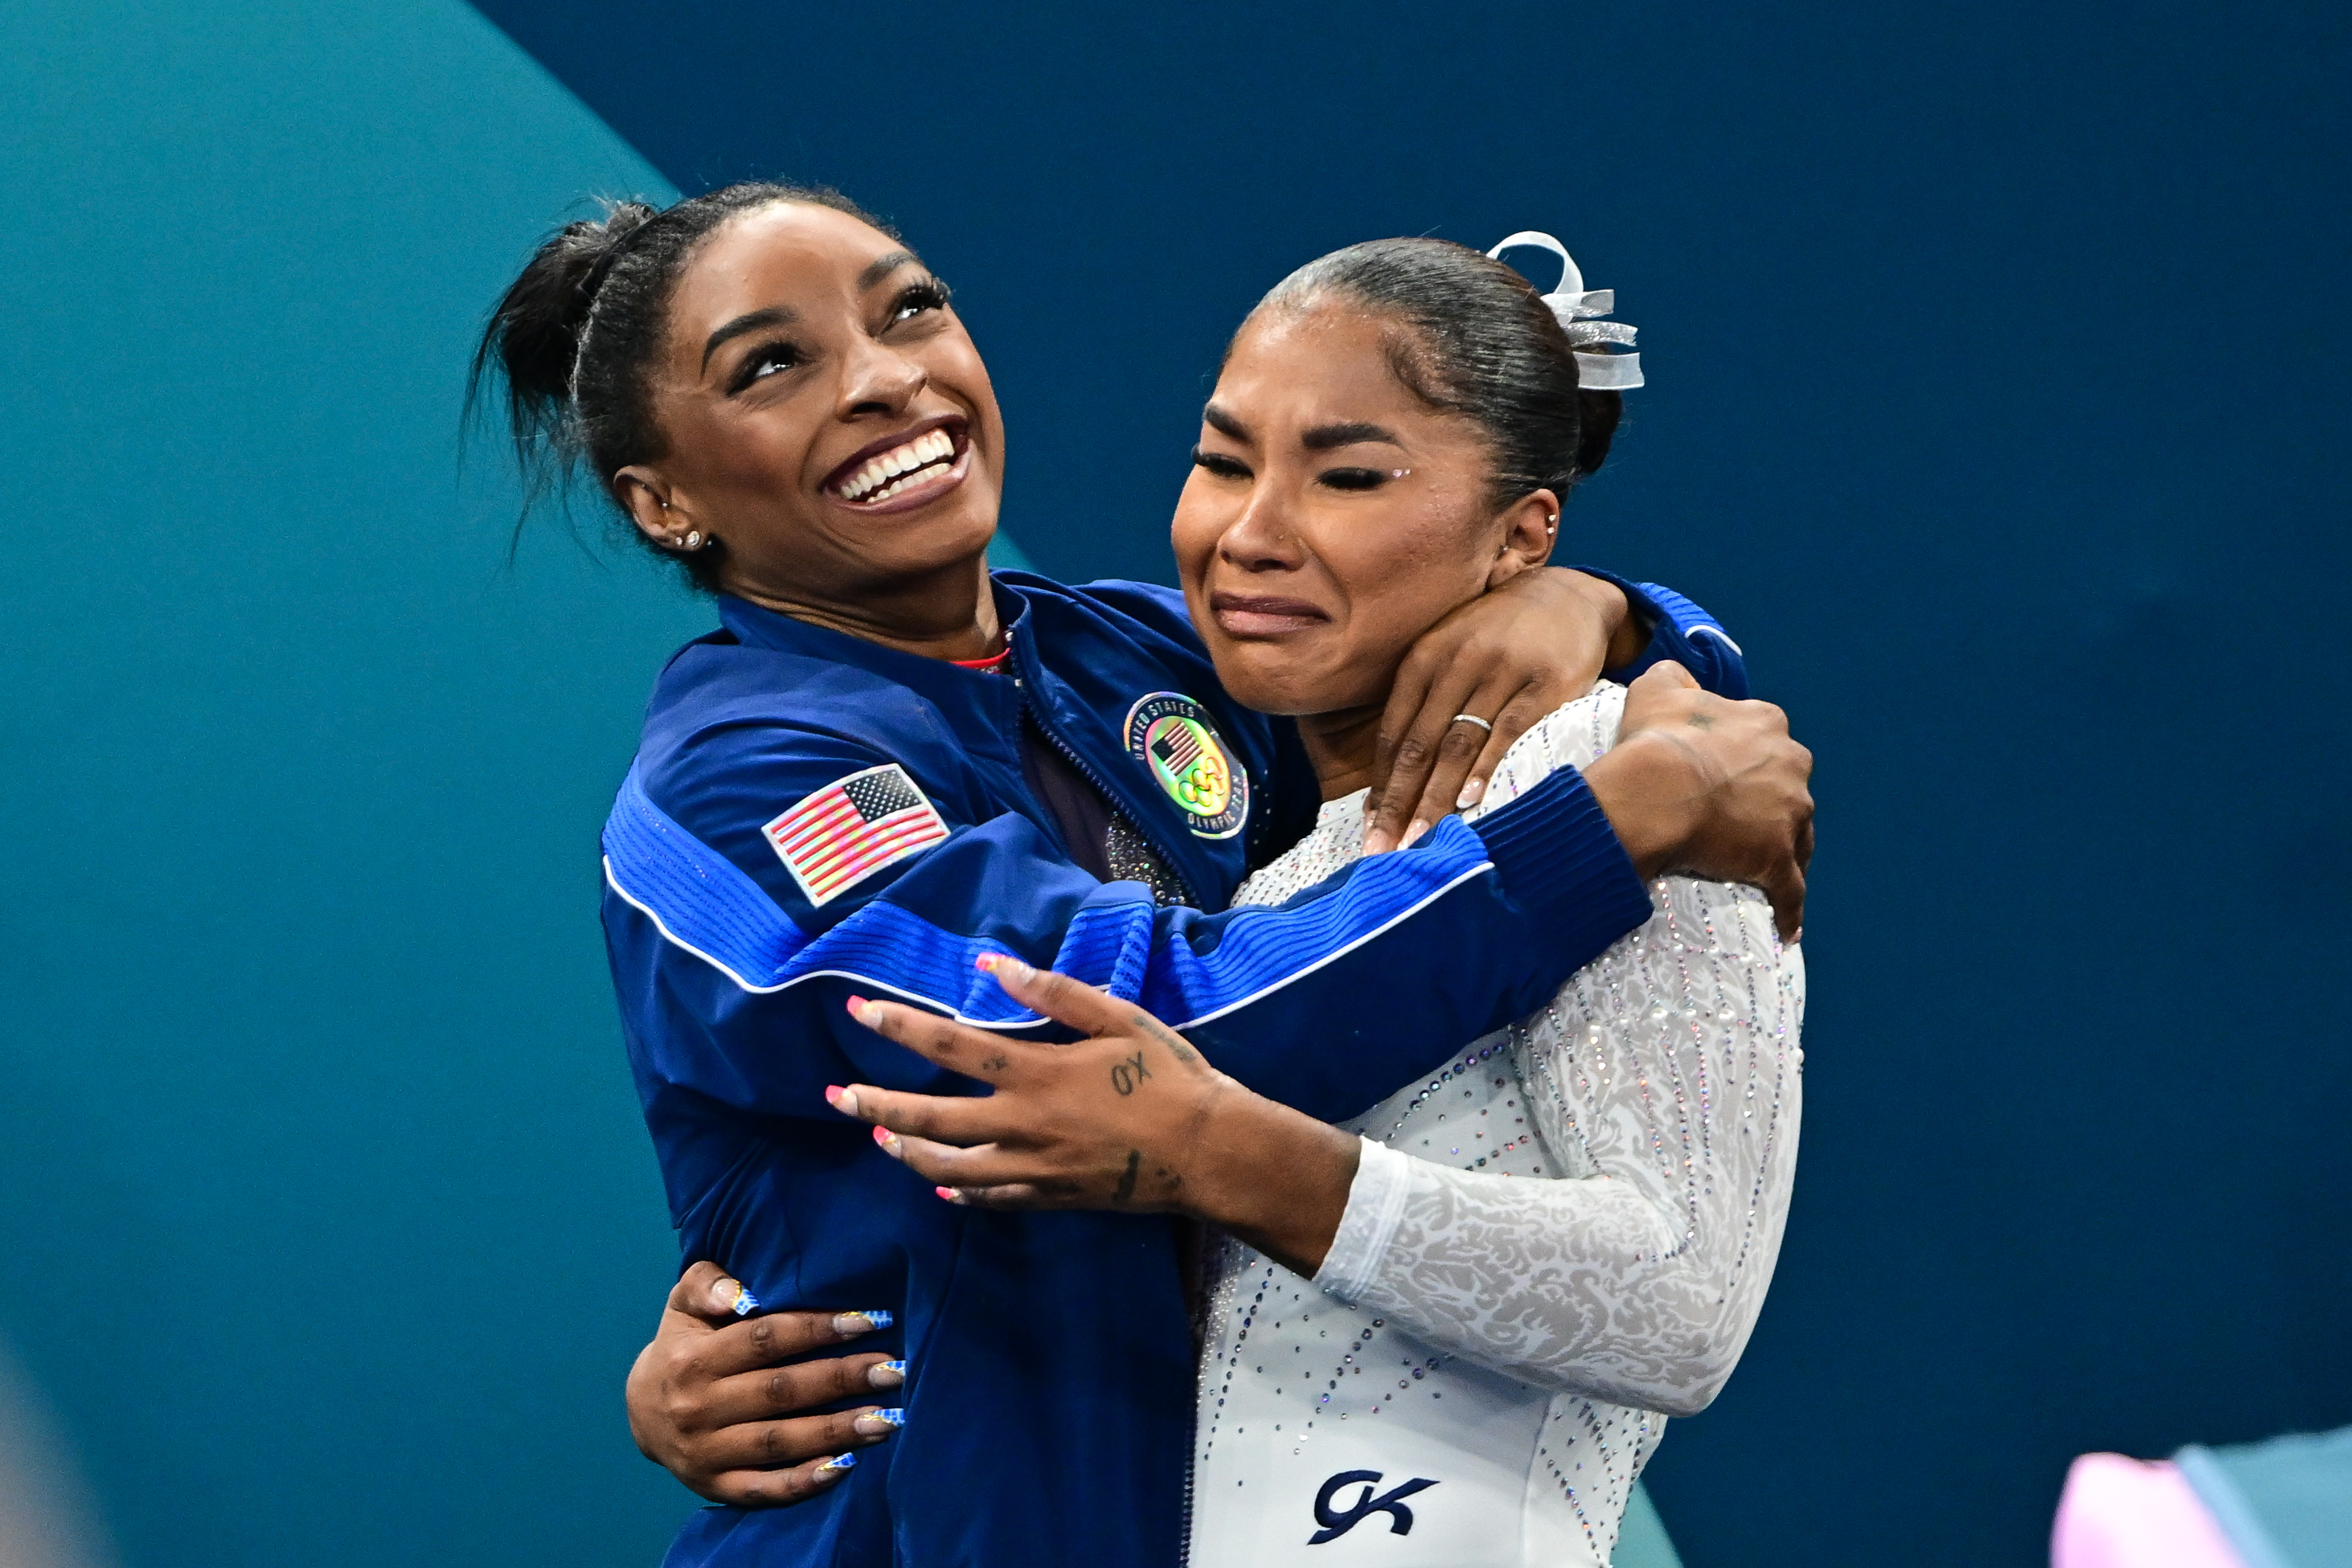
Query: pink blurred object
x=2117, y=1512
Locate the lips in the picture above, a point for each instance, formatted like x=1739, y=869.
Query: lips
x=908, y=468
x=1264, y=615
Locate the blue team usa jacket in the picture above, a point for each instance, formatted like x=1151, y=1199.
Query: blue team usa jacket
x=811, y=815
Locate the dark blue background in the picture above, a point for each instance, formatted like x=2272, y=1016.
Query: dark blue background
x=1997, y=403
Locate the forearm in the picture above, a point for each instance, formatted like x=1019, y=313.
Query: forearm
x=1581, y=1285
x=1274, y=1178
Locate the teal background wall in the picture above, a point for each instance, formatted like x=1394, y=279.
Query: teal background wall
x=327, y=1223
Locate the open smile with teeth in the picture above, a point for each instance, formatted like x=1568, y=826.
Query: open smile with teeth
x=926, y=457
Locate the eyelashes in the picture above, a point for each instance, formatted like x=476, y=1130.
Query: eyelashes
x=1342, y=479
x=767, y=360
x=1217, y=462
x=929, y=295
x=775, y=358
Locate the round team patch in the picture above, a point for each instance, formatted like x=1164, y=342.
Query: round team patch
x=1170, y=734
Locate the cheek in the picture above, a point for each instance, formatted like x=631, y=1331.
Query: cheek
x=1201, y=517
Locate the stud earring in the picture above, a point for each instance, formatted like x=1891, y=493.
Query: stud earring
x=694, y=539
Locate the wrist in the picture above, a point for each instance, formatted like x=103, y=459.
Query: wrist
x=1622, y=635
x=1649, y=787
x=1275, y=1178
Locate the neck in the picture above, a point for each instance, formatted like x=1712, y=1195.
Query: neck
x=946, y=614
x=1343, y=747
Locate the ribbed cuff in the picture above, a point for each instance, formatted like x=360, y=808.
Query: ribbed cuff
x=1562, y=862
x=1675, y=626
x=1375, y=1203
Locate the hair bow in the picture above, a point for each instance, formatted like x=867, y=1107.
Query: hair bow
x=1578, y=311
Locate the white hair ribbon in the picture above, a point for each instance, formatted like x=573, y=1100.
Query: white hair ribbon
x=1579, y=309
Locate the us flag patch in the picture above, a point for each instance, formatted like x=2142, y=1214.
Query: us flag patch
x=853, y=827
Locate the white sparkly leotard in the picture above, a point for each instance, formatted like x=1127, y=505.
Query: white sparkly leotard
x=1478, y=1373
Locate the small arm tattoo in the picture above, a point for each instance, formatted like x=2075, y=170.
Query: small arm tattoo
x=1165, y=1036
x=1125, y=1188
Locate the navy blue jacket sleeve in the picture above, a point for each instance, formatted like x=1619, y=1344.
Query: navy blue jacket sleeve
x=1682, y=631
x=732, y=986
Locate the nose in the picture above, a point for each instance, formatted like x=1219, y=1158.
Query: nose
x=1263, y=536
x=878, y=380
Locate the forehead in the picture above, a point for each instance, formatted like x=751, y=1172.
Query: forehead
x=787, y=253
x=1328, y=361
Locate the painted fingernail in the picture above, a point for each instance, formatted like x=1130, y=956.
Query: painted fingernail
x=1376, y=844
x=1004, y=965
x=841, y=1099
x=889, y=1142
x=878, y=1423
x=745, y=1302
x=1419, y=827
x=847, y=1324
x=861, y=1009
x=885, y=1375
x=949, y=1193
x=833, y=1467
x=1471, y=794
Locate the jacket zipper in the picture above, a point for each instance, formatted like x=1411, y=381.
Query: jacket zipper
x=1102, y=786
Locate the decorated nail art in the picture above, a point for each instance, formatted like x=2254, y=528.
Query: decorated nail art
x=887, y=1139
x=879, y=1423
x=866, y=1322
x=745, y=1303
x=885, y=1375
x=836, y=1465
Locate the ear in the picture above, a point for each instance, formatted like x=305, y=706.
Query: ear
x=1530, y=524
x=659, y=513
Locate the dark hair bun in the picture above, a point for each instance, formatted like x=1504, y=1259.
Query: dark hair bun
x=534, y=331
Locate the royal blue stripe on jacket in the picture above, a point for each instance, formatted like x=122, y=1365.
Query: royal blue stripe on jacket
x=1049, y=1393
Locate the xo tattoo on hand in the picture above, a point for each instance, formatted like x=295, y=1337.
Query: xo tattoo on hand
x=1125, y=1076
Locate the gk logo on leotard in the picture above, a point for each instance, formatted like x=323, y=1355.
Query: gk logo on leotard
x=1170, y=734
x=1390, y=1503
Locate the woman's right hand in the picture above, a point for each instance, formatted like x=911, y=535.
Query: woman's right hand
x=1710, y=787
x=710, y=1401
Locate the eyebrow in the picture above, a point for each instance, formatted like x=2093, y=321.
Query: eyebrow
x=882, y=267
x=775, y=316
x=1324, y=437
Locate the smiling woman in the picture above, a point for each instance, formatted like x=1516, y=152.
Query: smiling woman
x=886, y=766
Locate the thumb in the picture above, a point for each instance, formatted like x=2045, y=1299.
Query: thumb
x=707, y=1292
x=1665, y=672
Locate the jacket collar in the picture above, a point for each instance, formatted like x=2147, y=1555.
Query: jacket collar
x=941, y=682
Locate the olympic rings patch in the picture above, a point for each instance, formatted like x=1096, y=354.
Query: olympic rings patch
x=1170, y=734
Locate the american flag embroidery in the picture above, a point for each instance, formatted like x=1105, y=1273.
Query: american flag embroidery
x=853, y=827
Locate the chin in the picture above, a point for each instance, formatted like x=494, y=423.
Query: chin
x=1285, y=693
x=922, y=545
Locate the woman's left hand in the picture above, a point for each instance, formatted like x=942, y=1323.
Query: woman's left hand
x=1130, y=1118
x=1509, y=657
